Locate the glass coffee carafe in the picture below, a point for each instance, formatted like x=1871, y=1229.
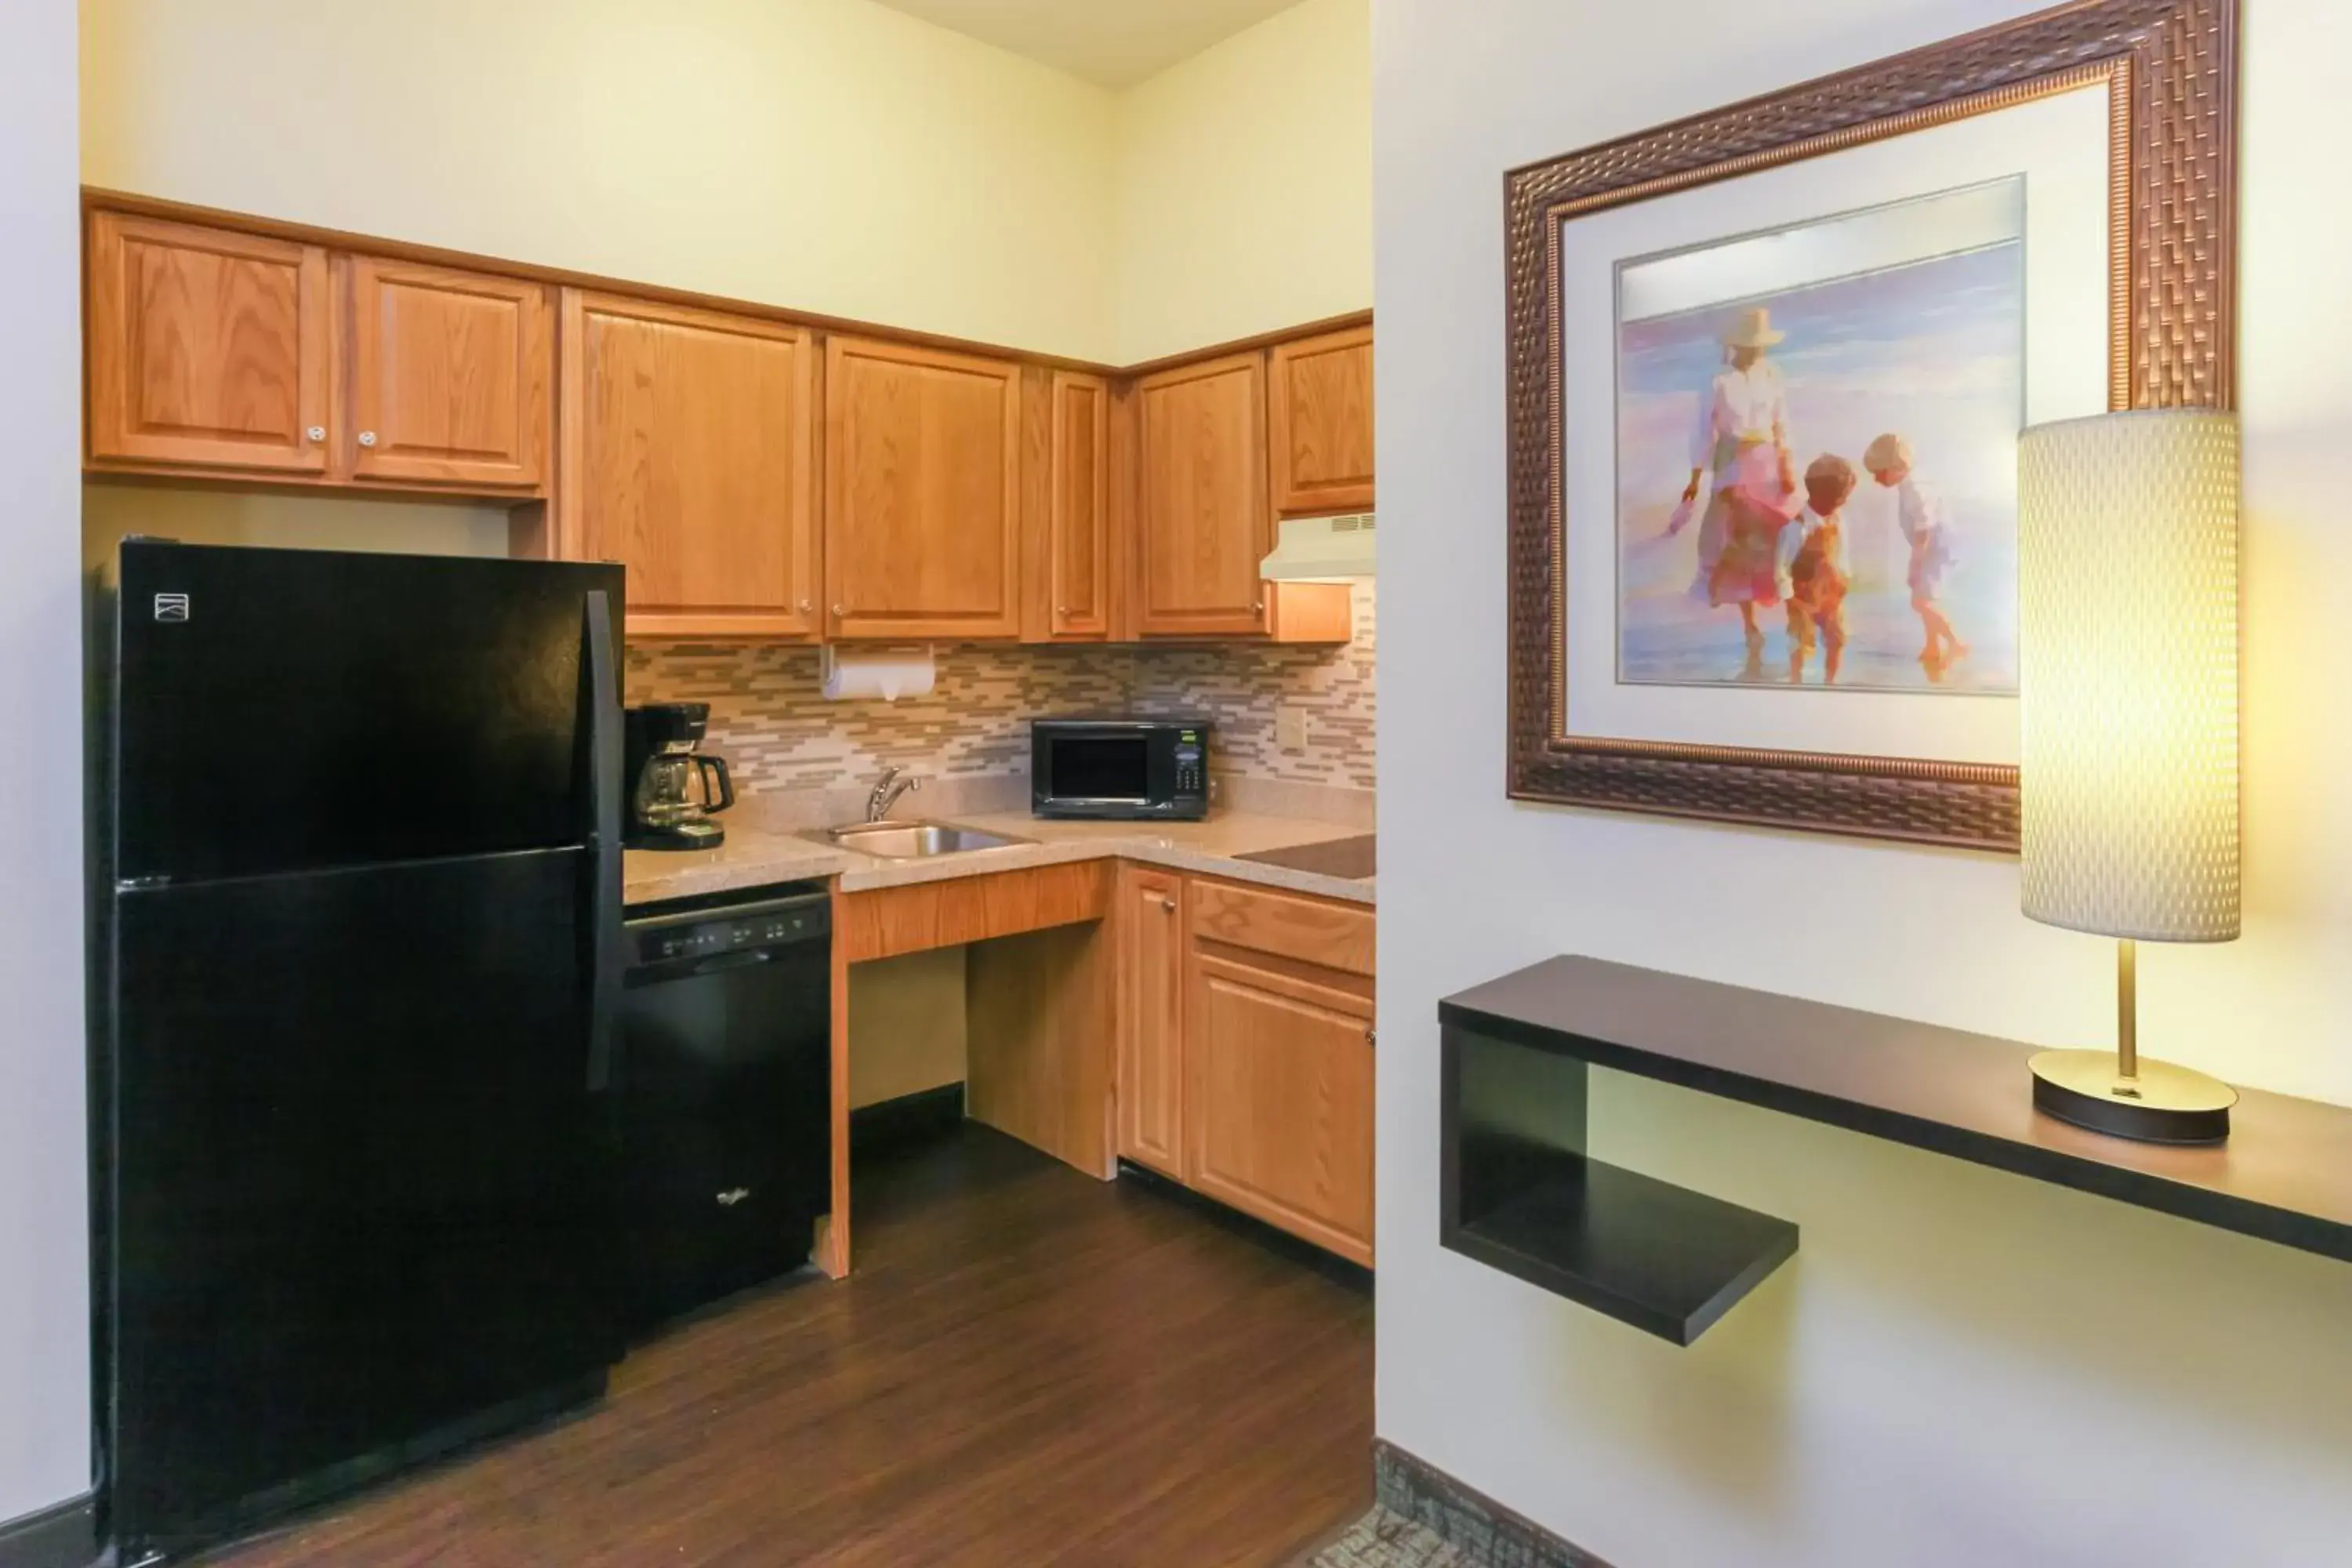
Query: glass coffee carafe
x=677, y=788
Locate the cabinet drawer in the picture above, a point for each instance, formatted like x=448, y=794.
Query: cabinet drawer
x=1288, y=925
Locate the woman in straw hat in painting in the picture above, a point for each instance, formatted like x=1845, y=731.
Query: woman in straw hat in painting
x=1742, y=439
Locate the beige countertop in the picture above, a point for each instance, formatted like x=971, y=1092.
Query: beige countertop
x=753, y=856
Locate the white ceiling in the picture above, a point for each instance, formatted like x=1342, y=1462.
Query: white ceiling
x=1117, y=42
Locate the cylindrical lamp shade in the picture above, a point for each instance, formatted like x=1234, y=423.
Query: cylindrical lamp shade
x=2128, y=629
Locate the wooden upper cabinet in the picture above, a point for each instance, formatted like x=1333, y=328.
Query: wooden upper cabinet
x=1319, y=424
x=1148, y=920
x=1201, y=520
x=922, y=492
x=1066, y=551
x=690, y=457
x=450, y=376
x=206, y=349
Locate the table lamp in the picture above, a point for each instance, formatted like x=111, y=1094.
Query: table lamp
x=2127, y=596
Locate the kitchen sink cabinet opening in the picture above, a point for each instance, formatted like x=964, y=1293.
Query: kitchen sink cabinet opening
x=1125, y=1017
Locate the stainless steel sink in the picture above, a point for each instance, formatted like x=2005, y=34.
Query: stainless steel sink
x=909, y=840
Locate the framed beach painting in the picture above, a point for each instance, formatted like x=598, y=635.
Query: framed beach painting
x=1767, y=366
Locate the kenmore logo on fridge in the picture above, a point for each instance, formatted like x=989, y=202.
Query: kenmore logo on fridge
x=171, y=606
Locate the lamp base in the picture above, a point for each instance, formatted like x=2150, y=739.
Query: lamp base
x=2164, y=1104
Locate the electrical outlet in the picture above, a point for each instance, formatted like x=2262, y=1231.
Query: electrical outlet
x=1290, y=728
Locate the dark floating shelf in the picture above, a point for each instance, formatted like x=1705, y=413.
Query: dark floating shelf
x=1520, y=1194
x=1661, y=1258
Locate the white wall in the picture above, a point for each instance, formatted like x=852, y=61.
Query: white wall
x=1246, y=185
x=1960, y=1367
x=829, y=155
x=44, y=1211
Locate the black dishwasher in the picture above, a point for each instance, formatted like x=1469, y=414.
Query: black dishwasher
x=723, y=1094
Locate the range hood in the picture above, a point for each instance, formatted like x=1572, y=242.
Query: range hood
x=1321, y=550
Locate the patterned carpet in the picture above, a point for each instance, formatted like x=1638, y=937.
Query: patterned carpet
x=1385, y=1540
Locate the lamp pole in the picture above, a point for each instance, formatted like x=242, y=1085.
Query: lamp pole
x=2127, y=1009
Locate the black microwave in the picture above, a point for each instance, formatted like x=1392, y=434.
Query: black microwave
x=1140, y=770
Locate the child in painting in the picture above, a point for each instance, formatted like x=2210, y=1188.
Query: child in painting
x=1812, y=569
x=1889, y=458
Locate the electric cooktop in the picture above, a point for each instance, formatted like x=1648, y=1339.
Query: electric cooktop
x=1346, y=857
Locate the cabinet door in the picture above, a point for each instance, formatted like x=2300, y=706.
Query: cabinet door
x=1278, y=1104
x=1066, y=558
x=922, y=492
x=691, y=458
x=450, y=376
x=1151, y=1091
x=206, y=349
x=1201, y=498
x=1319, y=424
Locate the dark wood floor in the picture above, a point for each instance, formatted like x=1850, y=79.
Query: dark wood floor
x=1028, y=1367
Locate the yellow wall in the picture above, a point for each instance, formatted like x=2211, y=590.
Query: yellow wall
x=907, y=1030
x=284, y=521
x=1246, y=185
x=830, y=156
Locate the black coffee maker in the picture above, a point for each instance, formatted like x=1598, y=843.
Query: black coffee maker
x=673, y=789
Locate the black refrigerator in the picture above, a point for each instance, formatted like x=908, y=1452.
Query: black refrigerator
x=357, y=849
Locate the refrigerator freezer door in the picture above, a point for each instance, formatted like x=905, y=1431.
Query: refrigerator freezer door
x=288, y=709
x=358, y=1175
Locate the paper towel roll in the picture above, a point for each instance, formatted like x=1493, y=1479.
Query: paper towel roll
x=858, y=674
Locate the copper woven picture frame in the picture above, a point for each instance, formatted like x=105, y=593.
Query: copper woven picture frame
x=2170, y=65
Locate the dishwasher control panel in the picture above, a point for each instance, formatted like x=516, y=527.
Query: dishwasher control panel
x=725, y=923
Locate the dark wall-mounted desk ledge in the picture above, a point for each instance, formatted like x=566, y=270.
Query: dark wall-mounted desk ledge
x=1519, y=1193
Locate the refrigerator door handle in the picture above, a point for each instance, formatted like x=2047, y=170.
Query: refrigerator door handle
x=605, y=932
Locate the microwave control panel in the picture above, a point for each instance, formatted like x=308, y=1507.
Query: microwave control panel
x=1191, y=777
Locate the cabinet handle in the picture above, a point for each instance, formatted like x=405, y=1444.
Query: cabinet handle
x=1372, y=1038
x=806, y=607
x=1168, y=904
x=367, y=438
x=838, y=612
x=315, y=433
x=1257, y=607
x=1062, y=610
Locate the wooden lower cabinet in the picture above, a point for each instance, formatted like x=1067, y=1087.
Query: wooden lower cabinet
x=1245, y=1050
x=1279, y=1099
x=1150, y=930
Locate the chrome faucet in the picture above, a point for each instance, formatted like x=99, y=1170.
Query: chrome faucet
x=894, y=782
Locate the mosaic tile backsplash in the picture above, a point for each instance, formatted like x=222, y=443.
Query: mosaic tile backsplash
x=777, y=732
